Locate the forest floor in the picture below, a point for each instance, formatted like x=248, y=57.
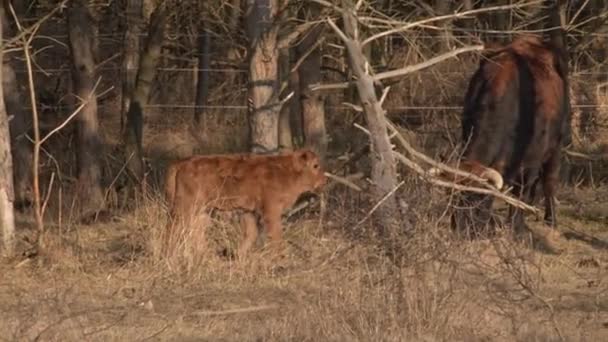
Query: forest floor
x=102, y=282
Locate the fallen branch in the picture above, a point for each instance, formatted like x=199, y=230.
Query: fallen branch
x=343, y=181
x=234, y=311
x=489, y=190
x=509, y=199
x=418, y=155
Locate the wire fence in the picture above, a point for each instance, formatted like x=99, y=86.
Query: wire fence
x=58, y=43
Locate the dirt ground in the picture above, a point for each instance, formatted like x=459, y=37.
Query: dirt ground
x=103, y=282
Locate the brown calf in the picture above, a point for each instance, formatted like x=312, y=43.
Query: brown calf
x=263, y=185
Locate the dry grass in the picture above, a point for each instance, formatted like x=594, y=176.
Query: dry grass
x=106, y=282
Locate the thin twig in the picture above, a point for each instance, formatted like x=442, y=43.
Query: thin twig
x=299, y=62
x=48, y=193
x=69, y=118
x=377, y=205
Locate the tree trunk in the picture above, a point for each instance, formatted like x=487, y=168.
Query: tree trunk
x=263, y=64
x=134, y=18
x=19, y=125
x=21, y=146
x=204, y=64
x=388, y=216
x=82, y=37
x=233, y=54
x=147, y=70
x=285, y=134
x=7, y=217
x=295, y=108
x=443, y=7
x=312, y=102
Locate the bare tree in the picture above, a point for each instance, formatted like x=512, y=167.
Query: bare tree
x=388, y=216
x=134, y=18
x=262, y=32
x=83, y=46
x=145, y=75
x=7, y=217
x=312, y=102
x=21, y=121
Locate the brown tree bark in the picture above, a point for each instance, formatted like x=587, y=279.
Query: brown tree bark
x=263, y=67
x=83, y=41
x=388, y=216
x=145, y=75
x=134, y=19
x=285, y=132
x=312, y=102
x=20, y=123
x=7, y=215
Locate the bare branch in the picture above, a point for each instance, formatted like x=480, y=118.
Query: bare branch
x=404, y=71
x=444, y=17
x=69, y=118
x=285, y=41
x=377, y=205
x=299, y=62
x=343, y=181
x=328, y=4
x=23, y=32
x=437, y=59
x=418, y=155
x=338, y=31
x=509, y=199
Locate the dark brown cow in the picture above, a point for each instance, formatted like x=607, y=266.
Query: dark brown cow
x=514, y=123
x=253, y=184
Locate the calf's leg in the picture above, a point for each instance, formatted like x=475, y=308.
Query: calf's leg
x=250, y=232
x=272, y=221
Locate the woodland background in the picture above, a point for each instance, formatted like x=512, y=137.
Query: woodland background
x=174, y=78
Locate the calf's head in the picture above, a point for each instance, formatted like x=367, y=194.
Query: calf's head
x=310, y=172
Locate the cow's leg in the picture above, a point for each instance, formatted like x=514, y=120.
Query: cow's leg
x=524, y=190
x=550, y=181
x=516, y=215
x=250, y=232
